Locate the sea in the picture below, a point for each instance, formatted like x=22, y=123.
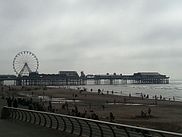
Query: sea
x=171, y=91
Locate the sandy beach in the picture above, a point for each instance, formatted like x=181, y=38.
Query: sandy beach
x=164, y=115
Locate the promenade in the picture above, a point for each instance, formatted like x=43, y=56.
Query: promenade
x=11, y=128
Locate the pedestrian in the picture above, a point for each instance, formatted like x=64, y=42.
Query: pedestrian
x=15, y=103
x=9, y=101
x=99, y=91
x=147, y=96
x=160, y=97
x=130, y=95
x=143, y=114
x=111, y=116
x=149, y=111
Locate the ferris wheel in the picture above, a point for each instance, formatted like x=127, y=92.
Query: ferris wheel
x=25, y=62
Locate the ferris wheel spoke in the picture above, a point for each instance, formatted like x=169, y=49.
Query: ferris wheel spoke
x=18, y=68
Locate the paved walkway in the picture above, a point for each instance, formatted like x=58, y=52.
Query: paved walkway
x=10, y=128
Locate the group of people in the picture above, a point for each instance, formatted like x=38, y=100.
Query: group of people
x=163, y=98
x=144, y=114
x=74, y=111
x=27, y=103
x=144, y=96
x=12, y=102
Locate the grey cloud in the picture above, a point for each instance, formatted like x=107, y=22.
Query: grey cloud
x=159, y=54
x=95, y=36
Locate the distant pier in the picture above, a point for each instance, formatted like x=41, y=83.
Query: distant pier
x=136, y=78
x=72, y=78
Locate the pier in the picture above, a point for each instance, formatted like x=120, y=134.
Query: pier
x=72, y=78
x=136, y=78
x=30, y=77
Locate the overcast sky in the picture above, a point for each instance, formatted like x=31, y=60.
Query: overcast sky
x=94, y=36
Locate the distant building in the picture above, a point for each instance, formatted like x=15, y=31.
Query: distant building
x=70, y=74
x=150, y=78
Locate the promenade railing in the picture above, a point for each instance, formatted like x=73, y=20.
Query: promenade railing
x=81, y=126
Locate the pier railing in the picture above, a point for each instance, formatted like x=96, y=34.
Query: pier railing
x=81, y=126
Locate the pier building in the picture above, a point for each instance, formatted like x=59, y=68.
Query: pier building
x=150, y=78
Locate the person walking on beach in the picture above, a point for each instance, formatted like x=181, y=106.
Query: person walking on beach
x=15, y=103
x=149, y=111
x=111, y=116
x=9, y=101
x=130, y=95
x=99, y=91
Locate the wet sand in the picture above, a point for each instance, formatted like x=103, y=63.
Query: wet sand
x=165, y=114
